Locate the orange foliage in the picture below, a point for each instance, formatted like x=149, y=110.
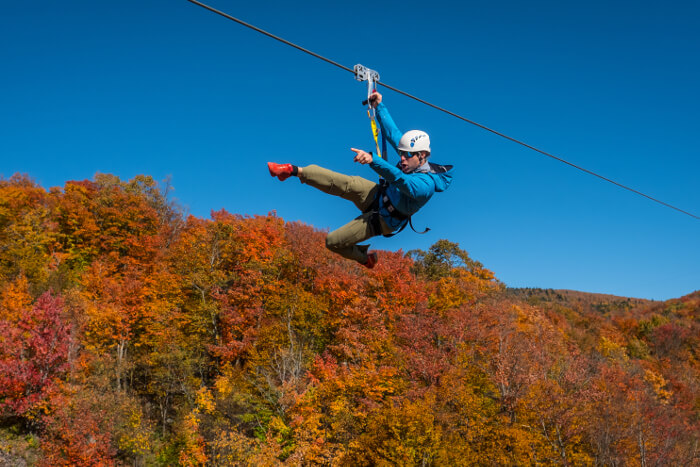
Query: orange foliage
x=15, y=300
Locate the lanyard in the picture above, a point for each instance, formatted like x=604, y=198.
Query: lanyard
x=372, y=77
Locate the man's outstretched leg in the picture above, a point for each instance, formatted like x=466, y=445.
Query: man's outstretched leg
x=353, y=188
x=356, y=189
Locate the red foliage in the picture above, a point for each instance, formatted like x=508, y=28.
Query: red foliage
x=75, y=433
x=426, y=344
x=33, y=354
x=669, y=339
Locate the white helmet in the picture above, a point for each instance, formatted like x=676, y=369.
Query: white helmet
x=414, y=141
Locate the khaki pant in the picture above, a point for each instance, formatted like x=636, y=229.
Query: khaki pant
x=361, y=192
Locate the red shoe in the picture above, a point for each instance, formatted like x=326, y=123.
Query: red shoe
x=281, y=171
x=372, y=260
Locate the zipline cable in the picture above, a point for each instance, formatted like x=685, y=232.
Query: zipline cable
x=261, y=31
x=502, y=135
x=537, y=150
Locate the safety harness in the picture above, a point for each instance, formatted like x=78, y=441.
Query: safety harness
x=383, y=200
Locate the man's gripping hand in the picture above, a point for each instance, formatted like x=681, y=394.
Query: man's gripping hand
x=374, y=99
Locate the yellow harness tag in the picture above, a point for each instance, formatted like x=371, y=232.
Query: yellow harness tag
x=375, y=132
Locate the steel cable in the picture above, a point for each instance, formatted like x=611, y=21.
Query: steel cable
x=502, y=135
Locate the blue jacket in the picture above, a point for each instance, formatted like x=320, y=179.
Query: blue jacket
x=408, y=192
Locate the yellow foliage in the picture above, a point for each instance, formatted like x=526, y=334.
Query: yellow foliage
x=223, y=384
x=659, y=384
x=232, y=448
x=136, y=439
x=205, y=400
x=612, y=350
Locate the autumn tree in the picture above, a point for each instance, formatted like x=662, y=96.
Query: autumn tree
x=33, y=356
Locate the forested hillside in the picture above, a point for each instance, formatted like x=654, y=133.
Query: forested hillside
x=131, y=334
x=580, y=301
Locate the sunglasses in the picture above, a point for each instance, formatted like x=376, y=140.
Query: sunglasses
x=407, y=154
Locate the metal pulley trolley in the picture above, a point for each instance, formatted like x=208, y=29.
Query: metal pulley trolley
x=362, y=73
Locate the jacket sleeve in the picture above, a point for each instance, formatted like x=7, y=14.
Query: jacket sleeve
x=416, y=185
x=389, y=128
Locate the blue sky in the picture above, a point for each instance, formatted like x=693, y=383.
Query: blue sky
x=168, y=89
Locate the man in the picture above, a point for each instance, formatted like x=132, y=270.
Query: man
x=386, y=207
